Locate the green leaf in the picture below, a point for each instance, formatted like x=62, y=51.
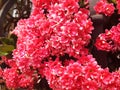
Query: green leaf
x=6, y=48
x=3, y=53
x=6, y=40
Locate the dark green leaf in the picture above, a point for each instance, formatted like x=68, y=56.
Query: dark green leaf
x=6, y=40
x=6, y=48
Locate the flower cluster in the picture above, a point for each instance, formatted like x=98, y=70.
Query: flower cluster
x=85, y=74
x=56, y=28
x=110, y=40
x=104, y=7
x=118, y=6
x=15, y=80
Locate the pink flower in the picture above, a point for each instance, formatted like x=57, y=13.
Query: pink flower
x=1, y=72
x=110, y=40
x=11, y=77
x=25, y=80
x=84, y=74
x=118, y=6
x=56, y=28
x=109, y=9
x=43, y=3
x=104, y=7
x=103, y=42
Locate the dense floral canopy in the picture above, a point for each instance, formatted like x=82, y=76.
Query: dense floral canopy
x=57, y=29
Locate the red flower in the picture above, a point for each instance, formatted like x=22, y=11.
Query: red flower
x=1, y=72
x=11, y=77
x=84, y=74
x=110, y=40
x=104, y=7
x=118, y=6
x=56, y=28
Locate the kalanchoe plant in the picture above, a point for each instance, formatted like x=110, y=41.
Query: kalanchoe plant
x=52, y=44
x=107, y=7
x=110, y=38
x=7, y=45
